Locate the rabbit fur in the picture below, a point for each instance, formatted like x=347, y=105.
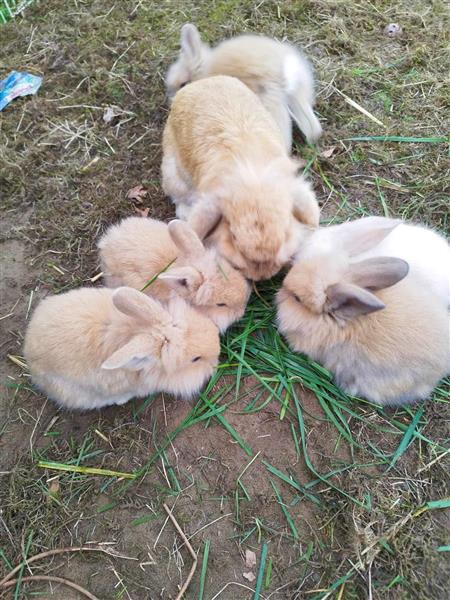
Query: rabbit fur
x=277, y=72
x=369, y=300
x=136, y=249
x=223, y=158
x=91, y=347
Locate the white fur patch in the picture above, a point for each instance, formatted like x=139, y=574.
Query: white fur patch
x=296, y=72
x=426, y=252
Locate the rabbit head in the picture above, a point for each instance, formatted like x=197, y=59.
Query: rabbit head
x=205, y=279
x=257, y=232
x=328, y=288
x=190, y=64
x=174, y=346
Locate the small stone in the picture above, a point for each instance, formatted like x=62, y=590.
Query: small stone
x=392, y=30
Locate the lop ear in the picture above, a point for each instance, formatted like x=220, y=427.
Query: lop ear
x=359, y=236
x=379, y=273
x=185, y=239
x=204, y=217
x=182, y=277
x=347, y=301
x=191, y=43
x=134, y=356
x=135, y=304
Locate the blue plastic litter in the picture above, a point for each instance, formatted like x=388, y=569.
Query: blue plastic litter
x=18, y=84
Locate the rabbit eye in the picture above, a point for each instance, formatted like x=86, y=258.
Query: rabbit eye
x=183, y=84
x=183, y=282
x=297, y=299
x=221, y=304
x=196, y=359
x=235, y=267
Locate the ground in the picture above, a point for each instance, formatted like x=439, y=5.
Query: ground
x=337, y=498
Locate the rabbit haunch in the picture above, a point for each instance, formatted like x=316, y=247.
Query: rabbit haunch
x=136, y=249
x=369, y=300
x=89, y=347
x=223, y=158
x=277, y=72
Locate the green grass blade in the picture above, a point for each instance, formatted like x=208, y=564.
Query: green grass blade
x=234, y=434
x=155, y=277
x=285, y=511
x=106, y=507
x=268, y=574
x=433, y=504
x=308, y=462
x=259, y=579
x=203, y=571
x=85, y=470
x=407, y=437
x=240, y=366
x=291, y=482
x=5, y=560
x=143, y=519
x=326, y=593
x=20, y=574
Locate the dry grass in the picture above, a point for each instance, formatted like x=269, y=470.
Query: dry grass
x=64, y=175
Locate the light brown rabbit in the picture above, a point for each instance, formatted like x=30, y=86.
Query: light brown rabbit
x=92, y=347
x=223, y=158
x=277, y=72
x=136, y=250
x=376, y=323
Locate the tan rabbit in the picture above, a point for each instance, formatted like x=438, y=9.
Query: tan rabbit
x=92, y=347
x=277, y=72
x=223, y=158
x=137, y=249
x=379, y=324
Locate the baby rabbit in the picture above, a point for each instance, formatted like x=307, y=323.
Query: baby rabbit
x=92, y=347
x=137, y=249
x=223, y=158
x=380, y=324
x=275, y=71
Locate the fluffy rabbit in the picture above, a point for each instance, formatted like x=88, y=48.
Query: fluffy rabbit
x=369, y=300
x=137, y=249
x=89, y=347
x=223, y=158
x=275, y=71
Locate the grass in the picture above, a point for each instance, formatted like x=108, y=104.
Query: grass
x=337, y=497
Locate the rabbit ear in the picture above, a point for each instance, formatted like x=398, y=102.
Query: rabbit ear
x=379, y=273
x=191, y=43
x=182, y=277
x=347, y=301
x=136, y=304
x=362, y=235
x=204, y=217
x=134, y=356
x=185, y=239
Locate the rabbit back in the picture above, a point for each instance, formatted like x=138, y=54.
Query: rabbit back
x=134, y=251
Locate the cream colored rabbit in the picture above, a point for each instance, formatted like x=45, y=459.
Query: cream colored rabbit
x=277, y=72
x=92, y=347
x=378, y=323
x=136, y=249
x=223, y=158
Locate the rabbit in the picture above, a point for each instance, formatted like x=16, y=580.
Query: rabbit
x=277, y=72
x=369, y=300
x=137, y=249
x=223, y=158
x=92, y=347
